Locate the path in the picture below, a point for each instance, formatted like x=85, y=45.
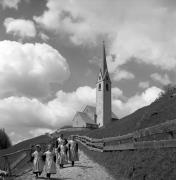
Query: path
x=85, y=169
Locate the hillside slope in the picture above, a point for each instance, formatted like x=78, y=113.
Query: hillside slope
x=161, y=110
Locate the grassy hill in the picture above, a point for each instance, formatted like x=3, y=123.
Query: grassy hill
x=151, y=164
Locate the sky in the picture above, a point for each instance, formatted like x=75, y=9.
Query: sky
x=51, y=51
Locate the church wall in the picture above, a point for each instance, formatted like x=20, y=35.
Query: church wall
x=78, y=122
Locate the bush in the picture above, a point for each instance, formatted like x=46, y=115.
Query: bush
x=4, y=140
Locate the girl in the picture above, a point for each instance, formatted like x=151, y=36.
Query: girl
x=50, y=165
x=37, y=161
x=62, y=150
x=73, y=150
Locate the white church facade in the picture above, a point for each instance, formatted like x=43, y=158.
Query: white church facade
x=101, y=115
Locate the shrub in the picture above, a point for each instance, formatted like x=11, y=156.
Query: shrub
x=4, y=140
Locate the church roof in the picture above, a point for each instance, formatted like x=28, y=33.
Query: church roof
x=93, y=109
x=104, y=65
x=85, y=118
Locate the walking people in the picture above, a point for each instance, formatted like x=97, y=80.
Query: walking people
x=50, y=161
x=37, y=161
x=73, y=151
x=59, y=141
x=62, y=150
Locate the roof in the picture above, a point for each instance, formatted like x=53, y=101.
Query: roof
x=85, y=118
x=93, y=109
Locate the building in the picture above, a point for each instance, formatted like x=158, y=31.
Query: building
x=86, y=118
x=103, y=94
x=101, y=115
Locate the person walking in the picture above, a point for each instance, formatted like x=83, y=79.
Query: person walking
x=73, y=151
x=62, y=150
x=38, y=162
x=50, y=161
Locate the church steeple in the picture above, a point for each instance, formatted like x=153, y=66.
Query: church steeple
x=104, y=63
x=103, y=94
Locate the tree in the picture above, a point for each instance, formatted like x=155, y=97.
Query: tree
x=4, y=140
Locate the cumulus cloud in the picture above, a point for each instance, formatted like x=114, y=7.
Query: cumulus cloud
x=10, y=3
x=121, y=74
x=20, y=27
x=139, y=30
x=73, y=18
x=144, y=84
x=135, y=102
x=164, y=80
x=32, y=117
x=28, y=69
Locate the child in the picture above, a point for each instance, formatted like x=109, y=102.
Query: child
x=73, y=150
x=62, y=149
x=37, y=161
x=50, y=165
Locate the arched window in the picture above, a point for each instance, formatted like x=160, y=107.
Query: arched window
x=107, y=87
x=99, y=87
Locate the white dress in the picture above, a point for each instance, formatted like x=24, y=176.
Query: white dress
x=73, y=151
x=63, y=159
x=50, y=165
x=37, y=162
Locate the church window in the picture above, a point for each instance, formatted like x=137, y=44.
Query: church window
x=107, y=87
x=99, y=87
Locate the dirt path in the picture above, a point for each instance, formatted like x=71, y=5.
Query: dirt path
x=85, y=169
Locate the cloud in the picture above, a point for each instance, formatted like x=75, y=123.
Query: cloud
x=20, y=27
x=131, y=34
x=43, y=36
x=144, y=84
x=164, y=80
x=29, y=69
x=39, y=131
x=10, y=3
x=31, y=116
x=73, y=18
x=121, y=74
x=122, y=108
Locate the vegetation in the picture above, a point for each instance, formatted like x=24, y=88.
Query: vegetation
x=4, y=140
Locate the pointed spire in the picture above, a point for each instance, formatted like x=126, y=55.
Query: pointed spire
x=104, y=65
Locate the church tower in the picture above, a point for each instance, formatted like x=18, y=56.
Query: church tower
x=103, y=94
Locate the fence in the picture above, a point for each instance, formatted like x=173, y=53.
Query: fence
x=9, y=162
x=158, y=136
x=17, y=163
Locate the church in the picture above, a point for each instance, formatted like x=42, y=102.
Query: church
x=101, y=115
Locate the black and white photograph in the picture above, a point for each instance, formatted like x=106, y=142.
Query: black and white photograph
x=88, y=89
